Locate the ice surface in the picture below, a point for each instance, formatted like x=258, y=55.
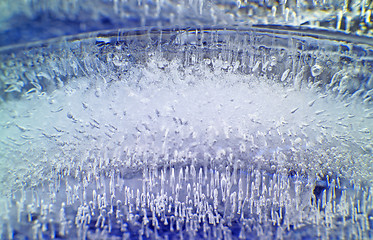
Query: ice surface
x=188, y=135
x=24, y=21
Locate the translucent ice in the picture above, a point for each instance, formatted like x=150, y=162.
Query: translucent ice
x=150, y=141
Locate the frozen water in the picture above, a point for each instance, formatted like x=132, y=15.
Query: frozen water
x=24, y=21
x=233, y=137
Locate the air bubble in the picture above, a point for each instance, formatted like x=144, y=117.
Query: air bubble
x=316, y=70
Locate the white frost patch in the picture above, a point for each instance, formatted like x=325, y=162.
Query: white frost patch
x=173, y=114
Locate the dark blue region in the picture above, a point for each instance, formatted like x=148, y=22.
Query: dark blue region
x=45, y=26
